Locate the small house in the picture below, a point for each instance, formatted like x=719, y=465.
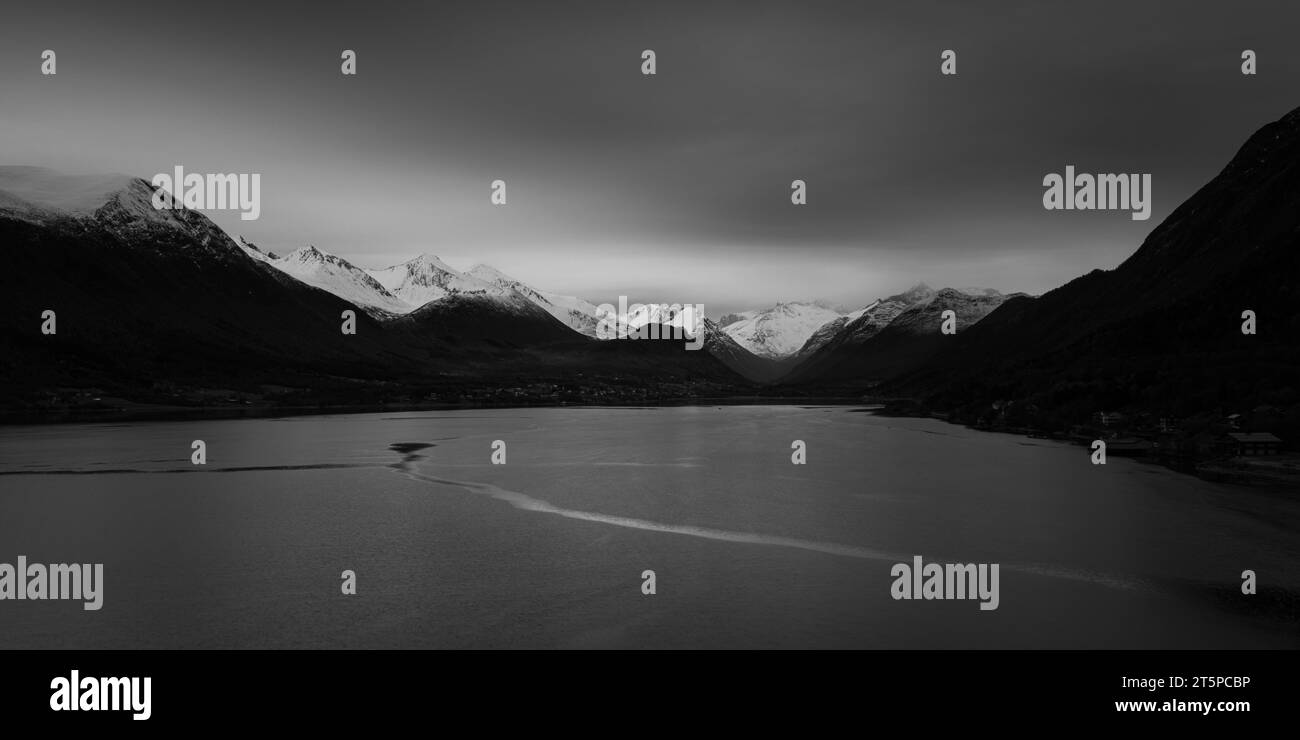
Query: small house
x=1107, y=418
x=1250, y=444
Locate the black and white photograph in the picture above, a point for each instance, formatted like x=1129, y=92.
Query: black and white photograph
x=892, y=328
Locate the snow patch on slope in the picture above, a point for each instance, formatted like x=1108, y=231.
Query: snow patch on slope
x=575, y=313
x=338, y=276
x=427, y=278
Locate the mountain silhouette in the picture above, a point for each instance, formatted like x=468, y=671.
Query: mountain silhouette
x=1163, y=330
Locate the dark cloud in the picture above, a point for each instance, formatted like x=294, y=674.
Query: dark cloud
x=677, y=183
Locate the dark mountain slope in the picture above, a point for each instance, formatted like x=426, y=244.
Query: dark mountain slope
x=899, y=335
x=1162, y=330
x=747, y=364
x=162, y=307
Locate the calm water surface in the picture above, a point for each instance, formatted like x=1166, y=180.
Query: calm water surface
x=749, y=550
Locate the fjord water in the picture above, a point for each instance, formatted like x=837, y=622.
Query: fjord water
x=548, y=550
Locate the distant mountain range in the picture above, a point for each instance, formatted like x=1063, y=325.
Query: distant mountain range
x=806, y=342
x=893, y=336
x=760, y=345
x=163, y=306
x=340, y=277
x=403, y=288
x=167, y=295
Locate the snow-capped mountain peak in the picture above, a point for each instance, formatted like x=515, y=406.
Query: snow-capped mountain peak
x=118, y=204
x=575, y=313
x=782, y=330
x=489, y=274
x=427, y=278
x=338, y=276
x=492, y=276
x=427, y=263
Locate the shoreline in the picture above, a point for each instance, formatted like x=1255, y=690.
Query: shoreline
x=1235, y=471
x=1231, y=472
x=146, y=412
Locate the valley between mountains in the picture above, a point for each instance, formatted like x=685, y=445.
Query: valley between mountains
x=163, y=309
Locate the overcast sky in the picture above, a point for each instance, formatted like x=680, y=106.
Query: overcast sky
x=673, y=187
